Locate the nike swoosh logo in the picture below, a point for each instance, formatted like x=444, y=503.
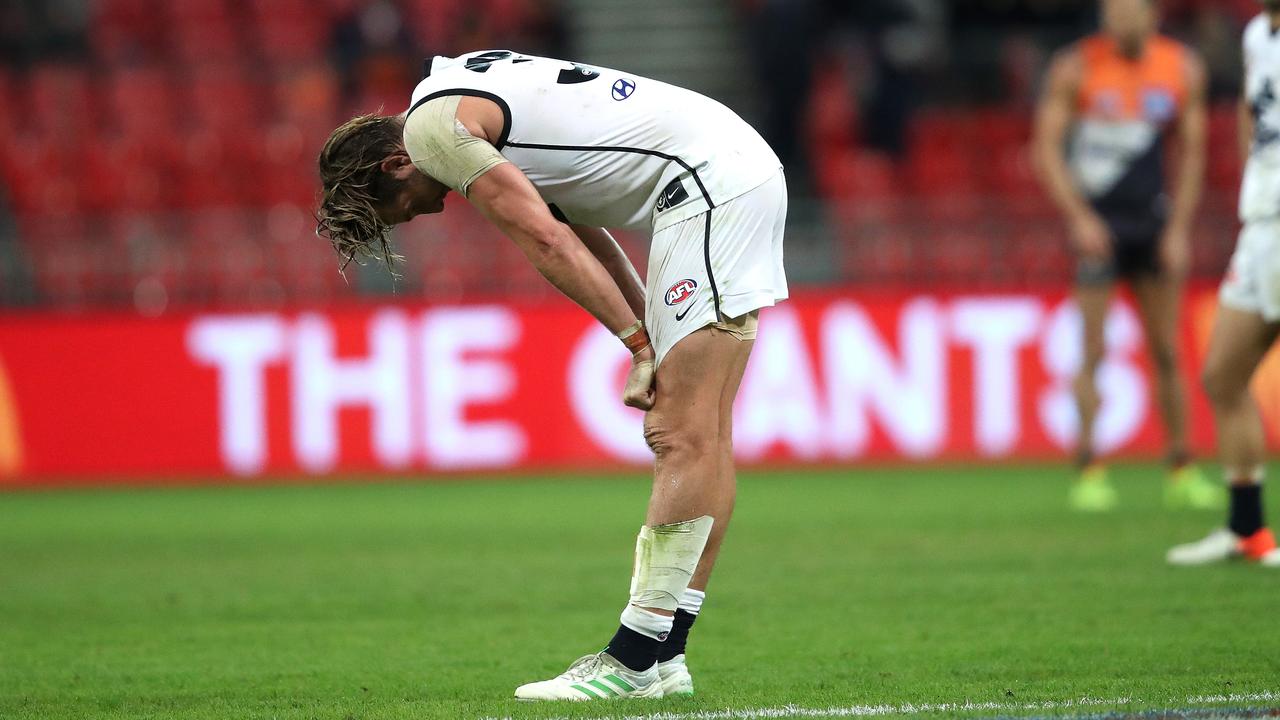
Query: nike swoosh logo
x=671, y=195
x=680, y=315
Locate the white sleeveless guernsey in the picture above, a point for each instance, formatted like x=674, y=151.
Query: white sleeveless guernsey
x=605, y=147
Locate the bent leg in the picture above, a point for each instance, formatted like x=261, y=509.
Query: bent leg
x=1237, y=346
x=684, y=426
x=726, y=479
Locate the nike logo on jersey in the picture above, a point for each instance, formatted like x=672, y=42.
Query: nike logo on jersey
x=672, y=195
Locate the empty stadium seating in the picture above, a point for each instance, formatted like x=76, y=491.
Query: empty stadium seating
x=179, y=154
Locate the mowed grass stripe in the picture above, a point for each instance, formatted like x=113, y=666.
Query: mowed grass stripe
x=835, y=589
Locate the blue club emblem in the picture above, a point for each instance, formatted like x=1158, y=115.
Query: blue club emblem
x=623, y=88
x=1158, y=104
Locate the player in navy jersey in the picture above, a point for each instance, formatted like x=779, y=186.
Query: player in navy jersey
x=1110, y=103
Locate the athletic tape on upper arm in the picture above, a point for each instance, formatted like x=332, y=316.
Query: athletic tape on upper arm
x=441, y=147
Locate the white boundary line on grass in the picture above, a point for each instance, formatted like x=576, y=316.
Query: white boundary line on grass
x=853, y=711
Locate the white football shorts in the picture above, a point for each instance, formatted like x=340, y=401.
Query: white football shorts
x=717, y=265
x=1252, y=283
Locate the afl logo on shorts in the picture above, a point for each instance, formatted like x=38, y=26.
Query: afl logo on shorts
x=681, y=291
x=623, y=88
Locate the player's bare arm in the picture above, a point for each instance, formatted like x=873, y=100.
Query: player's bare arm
x=1054, y=117
x=484, y=119
x=1192, y=138
x=610, y=254
x=602, y=282
x=505, y=196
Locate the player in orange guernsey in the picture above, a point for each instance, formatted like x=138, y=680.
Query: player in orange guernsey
x=1110, y=102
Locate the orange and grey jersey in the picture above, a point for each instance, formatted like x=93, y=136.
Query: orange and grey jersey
x=1260, y=191
x=605, y=147
x=1125, y=107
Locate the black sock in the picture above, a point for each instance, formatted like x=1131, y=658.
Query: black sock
x=679, y=636
x=635, y=650
x=1246, y=509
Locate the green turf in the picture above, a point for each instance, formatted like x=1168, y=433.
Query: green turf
x=918, y=585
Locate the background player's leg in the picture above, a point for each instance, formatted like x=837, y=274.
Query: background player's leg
x=1236, y=347
x=1094, y=299
x=1239, y=342
x=1091, y=492
x=1159, y=303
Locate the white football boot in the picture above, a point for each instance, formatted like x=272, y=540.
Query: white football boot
x=1222, y=545
x=595, y=677
x=674, y=676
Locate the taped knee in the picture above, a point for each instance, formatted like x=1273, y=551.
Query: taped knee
x=666, y=556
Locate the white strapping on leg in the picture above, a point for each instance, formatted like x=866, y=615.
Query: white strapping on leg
x=666, y=556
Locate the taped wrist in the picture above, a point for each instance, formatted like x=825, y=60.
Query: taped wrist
x=666, y=556
x=634, y=337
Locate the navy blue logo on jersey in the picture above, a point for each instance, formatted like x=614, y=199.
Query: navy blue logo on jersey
x=623, y=88
x=1158, y=105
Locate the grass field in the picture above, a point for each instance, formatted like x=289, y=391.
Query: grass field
x=912, y=588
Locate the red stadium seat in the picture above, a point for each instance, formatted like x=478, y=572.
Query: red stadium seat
x=287, y=41
x=142, y=102
x=202, y=41
x=181, y=12
x=224, y=97
x=127, y=31
x=59, y=100
x=307, y=96
x=39, y=172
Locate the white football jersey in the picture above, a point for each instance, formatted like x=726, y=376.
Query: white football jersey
x=609, y=148
x=1260, y=191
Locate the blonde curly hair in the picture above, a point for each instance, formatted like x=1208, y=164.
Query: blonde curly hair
x=354, y=185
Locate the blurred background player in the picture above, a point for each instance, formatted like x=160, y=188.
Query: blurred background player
x=1248, y=319
x=1110, y=101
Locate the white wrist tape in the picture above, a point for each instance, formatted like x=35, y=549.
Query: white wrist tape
x=630, y=330
x=666, y=556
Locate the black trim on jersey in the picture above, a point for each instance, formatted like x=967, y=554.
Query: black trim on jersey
x=706, y=255
x=612, y=148
x=467, y=92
